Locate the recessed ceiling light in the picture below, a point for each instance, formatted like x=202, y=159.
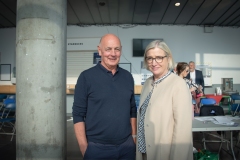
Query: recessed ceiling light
x=177, y=4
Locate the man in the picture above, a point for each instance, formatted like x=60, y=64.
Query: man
x=195, y=75
x=104, y=109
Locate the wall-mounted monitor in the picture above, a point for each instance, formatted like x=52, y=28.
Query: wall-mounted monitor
x=139, y=46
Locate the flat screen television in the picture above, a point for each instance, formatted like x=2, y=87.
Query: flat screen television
x=139, y=46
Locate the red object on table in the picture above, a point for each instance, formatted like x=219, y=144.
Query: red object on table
x=216, y=97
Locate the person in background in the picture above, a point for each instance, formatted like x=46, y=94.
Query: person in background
x=104, y=109
x=195, y=76
x=182, y=70
x=164, y=130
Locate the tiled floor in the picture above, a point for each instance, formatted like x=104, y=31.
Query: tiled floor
x=8, y=149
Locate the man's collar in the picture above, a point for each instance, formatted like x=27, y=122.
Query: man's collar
x=104, y=69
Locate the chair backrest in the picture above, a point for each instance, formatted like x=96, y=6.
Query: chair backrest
x=8, y=108
x=2, y=97
x=6, y=101
x=11, y=97
x=211, y=110
x=235, y=107
x=208, y=101
x=235, y=97
x=11, y=106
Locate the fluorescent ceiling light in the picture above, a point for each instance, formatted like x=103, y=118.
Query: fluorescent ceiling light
x=177, y=4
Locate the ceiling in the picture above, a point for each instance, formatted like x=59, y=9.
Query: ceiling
x=225, y=13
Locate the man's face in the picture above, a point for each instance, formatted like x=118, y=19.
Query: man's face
x=191, y=67
x=110, y=51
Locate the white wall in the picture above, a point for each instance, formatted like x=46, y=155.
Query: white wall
x=186, y=43
x=219, y=48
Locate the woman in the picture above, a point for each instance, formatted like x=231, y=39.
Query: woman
x=164, y=129
x=182, y=71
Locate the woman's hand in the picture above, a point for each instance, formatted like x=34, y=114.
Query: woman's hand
x=200, y=89
x=192, y=89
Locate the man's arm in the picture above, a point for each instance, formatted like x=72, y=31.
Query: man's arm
x=80, y=133
x=79, y=113
x=134, y=128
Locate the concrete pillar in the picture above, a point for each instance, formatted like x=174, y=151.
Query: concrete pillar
x=41, y=79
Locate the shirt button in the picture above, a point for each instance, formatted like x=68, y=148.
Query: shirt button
x=149, y=145
x=147, y=125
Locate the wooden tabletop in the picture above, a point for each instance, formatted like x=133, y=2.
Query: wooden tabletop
x=11, y=89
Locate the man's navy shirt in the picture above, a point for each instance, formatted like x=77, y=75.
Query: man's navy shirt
x=105, y=102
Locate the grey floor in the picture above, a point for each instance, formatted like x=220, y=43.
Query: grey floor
x=8, y=148
x=73, y=152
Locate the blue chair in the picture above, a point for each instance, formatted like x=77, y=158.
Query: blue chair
x=2, y=97
x=8, y=121
x=235, y=107
x=207, y=101
x=11, y=96
x=5, y=103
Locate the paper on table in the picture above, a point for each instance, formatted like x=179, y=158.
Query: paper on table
x=222, y=120
x=204, y=118
x=233, y=118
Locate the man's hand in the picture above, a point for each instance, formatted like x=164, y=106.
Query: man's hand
x=83, y=148
x=134, y=128
x=134, y=139
x=80, y=133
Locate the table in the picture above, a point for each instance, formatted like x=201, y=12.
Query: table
x=200, y=126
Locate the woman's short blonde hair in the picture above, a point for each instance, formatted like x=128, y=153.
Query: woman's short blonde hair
x=162, y=45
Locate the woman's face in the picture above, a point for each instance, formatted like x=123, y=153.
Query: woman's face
x=185, y=72
x=157, y=62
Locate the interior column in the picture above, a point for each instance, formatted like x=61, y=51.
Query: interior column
x=41, y=79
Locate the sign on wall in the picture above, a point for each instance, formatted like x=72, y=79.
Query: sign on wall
x=82, y=44
x=96, y=58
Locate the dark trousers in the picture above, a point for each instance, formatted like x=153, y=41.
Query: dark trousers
x=124, y=151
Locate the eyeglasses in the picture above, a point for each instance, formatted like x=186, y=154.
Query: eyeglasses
x=158, y=59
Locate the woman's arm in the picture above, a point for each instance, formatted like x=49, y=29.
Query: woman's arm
x=182, y=115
